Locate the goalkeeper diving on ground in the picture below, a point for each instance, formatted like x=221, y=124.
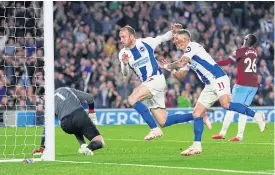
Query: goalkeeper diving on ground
x=75, y=120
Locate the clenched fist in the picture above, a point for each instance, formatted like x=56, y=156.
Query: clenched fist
x=125, y=58
x=176, y=27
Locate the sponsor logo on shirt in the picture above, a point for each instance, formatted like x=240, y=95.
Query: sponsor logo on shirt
x=141, y=62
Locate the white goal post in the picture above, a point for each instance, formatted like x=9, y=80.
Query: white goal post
x=17, y=141
x=49, y=154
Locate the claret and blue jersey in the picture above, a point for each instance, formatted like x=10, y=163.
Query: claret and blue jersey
x=202, y=63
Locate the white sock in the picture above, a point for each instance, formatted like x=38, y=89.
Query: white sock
x=226, y=122
x=241, y=125
x=197, y=144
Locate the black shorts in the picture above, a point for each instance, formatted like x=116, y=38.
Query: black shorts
x=78, y=122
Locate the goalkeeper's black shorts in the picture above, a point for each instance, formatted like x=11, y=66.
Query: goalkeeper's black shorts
x=78, y=122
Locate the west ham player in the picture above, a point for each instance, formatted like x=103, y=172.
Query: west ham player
x=246, y=86
x=75, y=120
x=217, y=86
x=138, y=55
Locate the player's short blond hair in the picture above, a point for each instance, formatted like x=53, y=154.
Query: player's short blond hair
x=184, y=32
x=130, y=29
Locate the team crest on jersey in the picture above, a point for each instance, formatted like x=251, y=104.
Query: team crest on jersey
x=142, y=49
x=188, y=49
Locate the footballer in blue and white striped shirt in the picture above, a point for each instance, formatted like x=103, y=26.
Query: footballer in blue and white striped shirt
x=217, y=86
x=138, y=55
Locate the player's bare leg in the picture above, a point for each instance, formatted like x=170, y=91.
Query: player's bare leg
x=238, y=107
x=139, y=94
x=206, y=121
x=196, y=147
x=160, y=115
x=163, y=120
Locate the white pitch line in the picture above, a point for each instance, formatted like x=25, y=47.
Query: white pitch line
x=182, y=141
x=167, y=167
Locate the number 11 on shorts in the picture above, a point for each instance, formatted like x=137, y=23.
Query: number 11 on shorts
x=221, y=85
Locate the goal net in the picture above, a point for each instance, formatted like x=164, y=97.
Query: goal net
x=26, y=79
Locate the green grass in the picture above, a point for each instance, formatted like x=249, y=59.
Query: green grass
x=125, y=145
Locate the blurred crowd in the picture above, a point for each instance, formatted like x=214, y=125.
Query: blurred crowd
x=87, y=46
x=21, y=56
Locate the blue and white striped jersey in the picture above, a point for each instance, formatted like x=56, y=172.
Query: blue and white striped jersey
x=202, y=63
x=141, y=58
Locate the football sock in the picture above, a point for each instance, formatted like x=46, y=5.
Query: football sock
x=41, y=149
x=226, y=122
x=144, y=112
x=178, y=118
x=198, y=128
x=80, y=139
x=42, y=142
x=240, y=108
x=43, y=139
x=94, y=145
x=241, y=125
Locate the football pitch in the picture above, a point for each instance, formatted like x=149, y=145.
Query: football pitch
x=126, y=153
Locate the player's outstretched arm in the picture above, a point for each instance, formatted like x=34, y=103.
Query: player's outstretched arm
x=180, y=75
x=232, y=58
x=172, y=66
x=154, y=42
x=178, y=64
x=224, y=62
x=165, y=37
x=169, y=35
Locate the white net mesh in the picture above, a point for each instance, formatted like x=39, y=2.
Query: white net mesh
x=21, y=78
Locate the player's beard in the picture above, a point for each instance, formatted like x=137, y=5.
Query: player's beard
x=130, y=43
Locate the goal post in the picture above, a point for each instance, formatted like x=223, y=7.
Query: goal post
x=26, y=67
x=49, y=154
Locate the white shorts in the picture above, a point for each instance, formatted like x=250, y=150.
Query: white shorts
x=156, y=85
x=212, y=92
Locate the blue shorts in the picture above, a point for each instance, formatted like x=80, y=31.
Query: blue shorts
x=243, y=94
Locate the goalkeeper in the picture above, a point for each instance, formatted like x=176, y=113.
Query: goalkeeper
x=75, y=120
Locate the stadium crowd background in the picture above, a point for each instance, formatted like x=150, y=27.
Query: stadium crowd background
x=87, y=46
